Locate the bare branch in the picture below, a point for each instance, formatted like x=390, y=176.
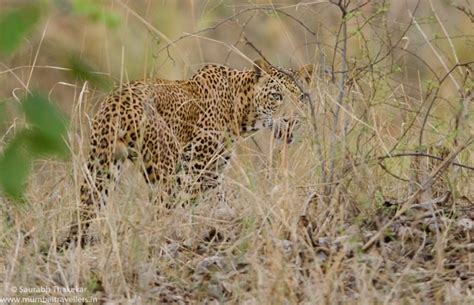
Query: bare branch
x=424, y=186
x=342, y=5
x=232, y=18
x=466, y=11
x=421, y=154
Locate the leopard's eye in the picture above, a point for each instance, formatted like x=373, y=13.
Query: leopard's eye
x=276, y=96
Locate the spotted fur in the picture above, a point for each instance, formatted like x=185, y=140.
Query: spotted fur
x=182, y=131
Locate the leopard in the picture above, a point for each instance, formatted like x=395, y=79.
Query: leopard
x=182, y=132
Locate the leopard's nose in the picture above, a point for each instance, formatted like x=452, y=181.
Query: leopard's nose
x=304, y=97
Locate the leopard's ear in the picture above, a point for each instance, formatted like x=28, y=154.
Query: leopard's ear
x=261, y=67
x=306, y=72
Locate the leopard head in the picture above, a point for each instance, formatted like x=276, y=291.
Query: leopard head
x=275, y=88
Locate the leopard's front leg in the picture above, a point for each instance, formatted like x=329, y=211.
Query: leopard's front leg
x=203, y=160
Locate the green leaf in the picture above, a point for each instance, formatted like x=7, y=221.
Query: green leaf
x=95, y=12
x=40, y=144
x=43, y=115
x=48, y=126
x=348, y=16
x=15, y=164
x=83, y=71
x=44, y=136
x=15, y=24
x=3, y=112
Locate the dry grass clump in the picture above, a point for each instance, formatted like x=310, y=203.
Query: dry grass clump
x=372, y=204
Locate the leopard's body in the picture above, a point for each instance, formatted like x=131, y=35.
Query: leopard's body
x=185, y=126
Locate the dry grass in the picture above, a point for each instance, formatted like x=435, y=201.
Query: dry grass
x=378, y=232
